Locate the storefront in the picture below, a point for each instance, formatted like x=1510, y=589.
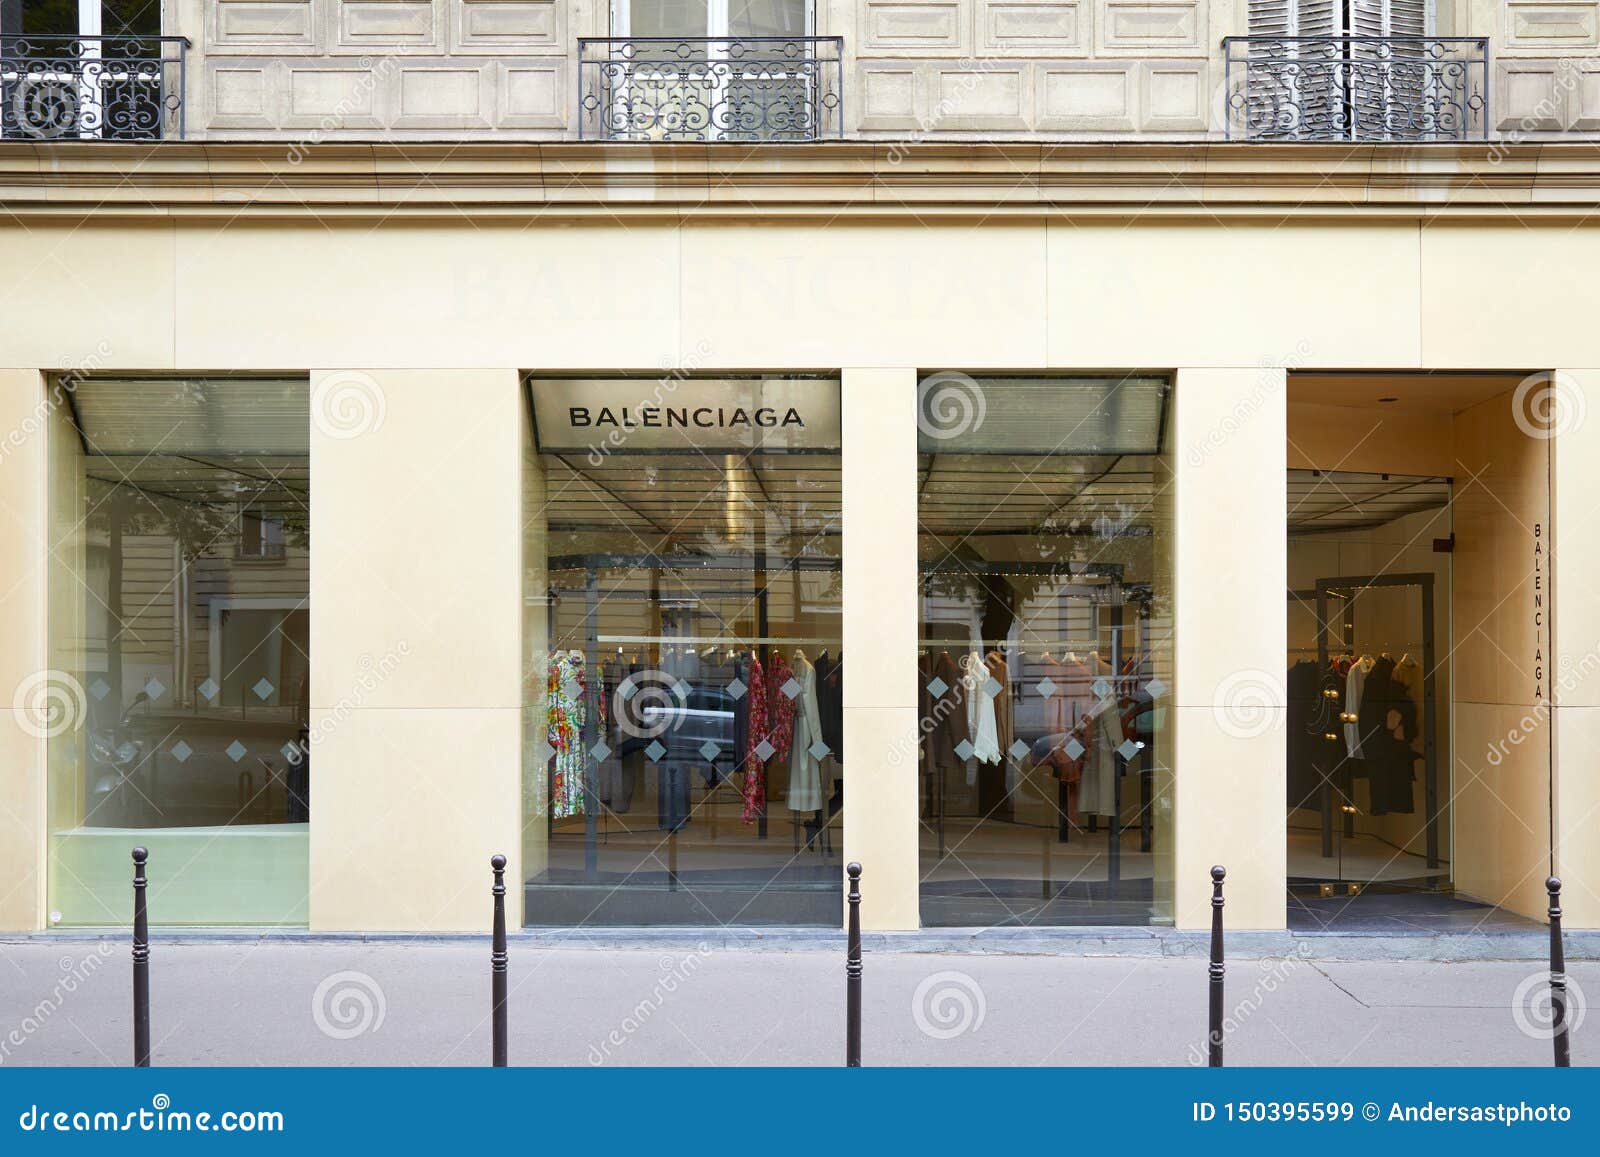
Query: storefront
x=684, y=559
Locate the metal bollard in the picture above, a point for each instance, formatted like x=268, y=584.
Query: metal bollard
x=1558, y=979
x=499, y=958
x=1218, y=874
x=141, y=964
x=852, y=972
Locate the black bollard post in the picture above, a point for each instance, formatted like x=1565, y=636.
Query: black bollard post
x=1218, y=874
x=141, y=964
x=852, y=972
x=1558, y=979
x=499, y=958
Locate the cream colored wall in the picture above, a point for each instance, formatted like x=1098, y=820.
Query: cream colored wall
x=1501, y=501
x=397, y=510
x=878, y=477
x=416, y=673
x=1576, y=664
x=1230, y=575
x=24, y=434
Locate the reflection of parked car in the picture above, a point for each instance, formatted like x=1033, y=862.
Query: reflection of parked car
x=683, y=727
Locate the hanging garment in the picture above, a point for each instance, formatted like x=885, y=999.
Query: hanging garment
x=1097, y=795
x=755, y=769
x=1310, y=718
x=1388, y=728
x=805, y=770
x=565, y=708
x=980, y=712
x=780, y=707
x=1354, y=686
x=1005, y=733
x=830, y=701
x=946, y=711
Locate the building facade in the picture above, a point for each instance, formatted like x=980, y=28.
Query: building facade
x=1036, y=450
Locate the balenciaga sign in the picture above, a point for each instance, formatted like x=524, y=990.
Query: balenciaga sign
x=680, y=414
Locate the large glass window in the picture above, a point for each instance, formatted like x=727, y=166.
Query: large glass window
x=178, y=611
x=684, y=758
x=1045, y=658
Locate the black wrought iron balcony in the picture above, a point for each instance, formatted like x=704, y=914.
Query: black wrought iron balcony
x=110, y=88
x=1356, y=88
x=738, y=88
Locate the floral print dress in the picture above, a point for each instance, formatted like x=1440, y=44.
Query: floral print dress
x=566, y=707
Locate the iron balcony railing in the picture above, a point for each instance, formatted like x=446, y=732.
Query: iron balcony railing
x=718, y=88
x=109, y=88
x=1356, y=88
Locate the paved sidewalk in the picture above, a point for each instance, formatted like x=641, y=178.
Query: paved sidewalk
x=66, y=1002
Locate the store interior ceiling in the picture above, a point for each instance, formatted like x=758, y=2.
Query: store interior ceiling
x=1329, y=501
x=1411, y=393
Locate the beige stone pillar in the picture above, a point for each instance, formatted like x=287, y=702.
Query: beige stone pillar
x=25, y=685
x=1575, y=619
x=1230, y=576
x=416, y=614
x=879, y=481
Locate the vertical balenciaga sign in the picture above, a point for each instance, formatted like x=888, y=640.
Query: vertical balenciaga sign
x=1538, y=613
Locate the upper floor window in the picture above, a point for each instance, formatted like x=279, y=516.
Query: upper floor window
x=711, y=18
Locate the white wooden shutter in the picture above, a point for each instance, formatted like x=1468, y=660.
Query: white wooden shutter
x=1393, y=88
x=1294, y=88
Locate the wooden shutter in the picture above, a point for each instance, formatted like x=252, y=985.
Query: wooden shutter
x=1293, y=91
x=1393, y=88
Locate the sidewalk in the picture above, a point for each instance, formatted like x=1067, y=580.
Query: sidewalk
x=313, y=1001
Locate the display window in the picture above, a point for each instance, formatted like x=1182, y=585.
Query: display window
x=1044, y=663
x=684, y=756
x=175, y=707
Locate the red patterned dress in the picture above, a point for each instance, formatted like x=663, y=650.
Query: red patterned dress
x=755, y=769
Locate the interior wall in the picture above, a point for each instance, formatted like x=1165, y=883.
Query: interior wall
x=1503, y=740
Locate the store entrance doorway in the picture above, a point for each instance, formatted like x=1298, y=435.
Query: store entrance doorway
x=1419, y=521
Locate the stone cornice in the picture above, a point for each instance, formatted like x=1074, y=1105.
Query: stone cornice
x=284, y=180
